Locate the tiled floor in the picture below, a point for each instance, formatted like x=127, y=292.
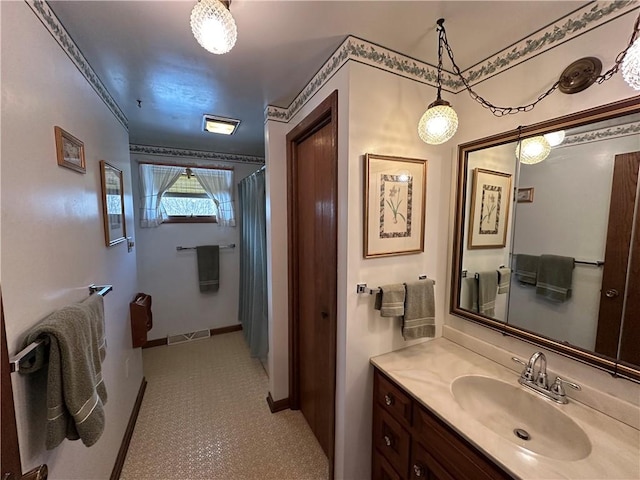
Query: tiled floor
x=204, y=416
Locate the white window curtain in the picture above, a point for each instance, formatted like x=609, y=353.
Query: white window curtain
x=219, y=186
x=154, y=181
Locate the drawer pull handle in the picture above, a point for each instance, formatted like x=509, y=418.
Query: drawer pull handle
x=388, y=399
x=388, y=440
x=418, y=470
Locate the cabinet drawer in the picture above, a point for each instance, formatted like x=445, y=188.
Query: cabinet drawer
x=392, y=399
x=381, y=469
x=454, y=454
x=391, y=440
x=424, y=467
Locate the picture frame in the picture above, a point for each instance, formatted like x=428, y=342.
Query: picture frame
x=490, y=202
x=525, y=195
x=111, y=181
x=394, y=205
x=69, y=151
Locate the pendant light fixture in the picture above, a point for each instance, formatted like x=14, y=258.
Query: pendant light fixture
x=533, y=150
x=213, y=25
x=440, y=122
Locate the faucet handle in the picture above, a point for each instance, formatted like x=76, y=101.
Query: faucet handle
x=558, y=386
x=527, y=373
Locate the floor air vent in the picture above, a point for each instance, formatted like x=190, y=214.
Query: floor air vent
x=187, y=337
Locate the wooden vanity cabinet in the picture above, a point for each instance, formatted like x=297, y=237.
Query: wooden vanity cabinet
x=410, y=442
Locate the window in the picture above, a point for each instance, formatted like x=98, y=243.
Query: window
x=173, y=193
x=187, y=201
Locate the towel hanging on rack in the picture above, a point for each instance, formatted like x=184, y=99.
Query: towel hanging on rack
x=75, y=390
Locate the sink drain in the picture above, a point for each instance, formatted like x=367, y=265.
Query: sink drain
x=522, y=434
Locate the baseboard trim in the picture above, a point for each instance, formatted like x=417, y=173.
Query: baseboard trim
x=277, y=406
x=214, y=331
x=128, y=433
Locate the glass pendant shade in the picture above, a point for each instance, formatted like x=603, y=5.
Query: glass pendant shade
x=438, y=124
x=631, y=65
x=213, y=26
x=533, y=150
x=555, y=138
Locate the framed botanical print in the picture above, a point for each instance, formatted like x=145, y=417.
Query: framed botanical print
x=394, y=205
x=115, y=230
x=490, y=201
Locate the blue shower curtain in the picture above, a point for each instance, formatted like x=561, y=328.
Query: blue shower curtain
x=252, y=311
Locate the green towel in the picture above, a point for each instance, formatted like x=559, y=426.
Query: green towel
x=555, y=276
x=208, y=268
x=504, y=278
x=526, y=269
x=75, y=390
x=487, y=290
x=419, y=312
x=391, y=300
x=469, y=294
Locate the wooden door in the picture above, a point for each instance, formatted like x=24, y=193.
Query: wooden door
x=10, y=454
x=616, y=262
x=312, y=178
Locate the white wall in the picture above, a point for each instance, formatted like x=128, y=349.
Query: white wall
x=377, y=113
x=528, y=79
x=53, y=243
x=569, y=216
x=171, y=277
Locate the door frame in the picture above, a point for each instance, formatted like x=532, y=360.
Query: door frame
x=326, y=113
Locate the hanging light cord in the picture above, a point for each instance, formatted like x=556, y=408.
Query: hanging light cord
x=613, y=70
x=502, y=111
x=441, y=40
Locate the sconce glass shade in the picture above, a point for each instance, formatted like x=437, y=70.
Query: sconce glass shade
x=438, y=124
x=213, y=26
x=533, y=150
x=631, y=65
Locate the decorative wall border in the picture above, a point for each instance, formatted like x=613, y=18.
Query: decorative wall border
x=43, y=11
x=352, y=48
x=194, y=154
x=607, y=133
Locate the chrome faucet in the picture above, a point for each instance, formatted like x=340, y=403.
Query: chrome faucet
x=539, y=383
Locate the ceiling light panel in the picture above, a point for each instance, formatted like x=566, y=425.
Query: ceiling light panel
x=221, y=125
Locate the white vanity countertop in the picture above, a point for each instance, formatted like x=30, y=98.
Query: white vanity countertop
x=427, y=370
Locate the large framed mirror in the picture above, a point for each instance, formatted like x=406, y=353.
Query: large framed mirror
x=547, y=235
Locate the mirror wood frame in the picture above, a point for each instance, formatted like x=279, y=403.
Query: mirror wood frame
x=605, y=112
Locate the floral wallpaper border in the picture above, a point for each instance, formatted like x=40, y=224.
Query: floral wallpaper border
x=195, y=154
x=564, y=29
x=56, y=29
x=607, y=133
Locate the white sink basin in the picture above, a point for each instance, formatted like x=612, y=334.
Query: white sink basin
x=504, y=408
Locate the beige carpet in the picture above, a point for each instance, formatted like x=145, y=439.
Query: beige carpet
x=204, y=416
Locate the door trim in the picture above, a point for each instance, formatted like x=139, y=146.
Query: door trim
x=324, y=114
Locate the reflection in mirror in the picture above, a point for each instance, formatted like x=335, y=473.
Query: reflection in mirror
x=565, y=274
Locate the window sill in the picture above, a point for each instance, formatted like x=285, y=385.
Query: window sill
x=177, y=219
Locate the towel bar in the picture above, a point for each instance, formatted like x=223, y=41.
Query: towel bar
x=231, y=245
x=30, y=350
x=362, y=287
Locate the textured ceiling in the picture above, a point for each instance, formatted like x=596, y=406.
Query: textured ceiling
x=145, y=50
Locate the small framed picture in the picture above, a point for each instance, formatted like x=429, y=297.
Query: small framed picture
x=69, y=150
x=490, y=199
x=394, y=205
x=525, y=195
x=115, y=230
